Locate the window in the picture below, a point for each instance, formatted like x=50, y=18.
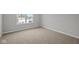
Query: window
x=24, y=18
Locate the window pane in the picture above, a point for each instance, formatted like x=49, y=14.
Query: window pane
x=24, y=18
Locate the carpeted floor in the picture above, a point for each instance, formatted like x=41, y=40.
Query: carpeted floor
x=37, y=36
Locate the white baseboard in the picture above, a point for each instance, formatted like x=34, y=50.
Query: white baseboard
x=61, y=32
x=21, y=29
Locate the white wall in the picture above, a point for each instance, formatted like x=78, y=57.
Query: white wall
x=67, y=24
x=0, y=25
x=9, y=23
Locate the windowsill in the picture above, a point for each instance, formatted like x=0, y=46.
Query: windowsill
x=25, y=23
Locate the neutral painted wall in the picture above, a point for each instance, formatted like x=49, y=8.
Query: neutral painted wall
x=9, y=23
x=0, y=25
x=67, y=24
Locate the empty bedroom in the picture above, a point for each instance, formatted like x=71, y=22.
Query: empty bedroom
x=39, y=28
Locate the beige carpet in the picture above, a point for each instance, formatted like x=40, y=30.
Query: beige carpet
x=37, y=36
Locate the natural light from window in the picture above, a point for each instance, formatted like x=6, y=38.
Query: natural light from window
x=24, y=18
